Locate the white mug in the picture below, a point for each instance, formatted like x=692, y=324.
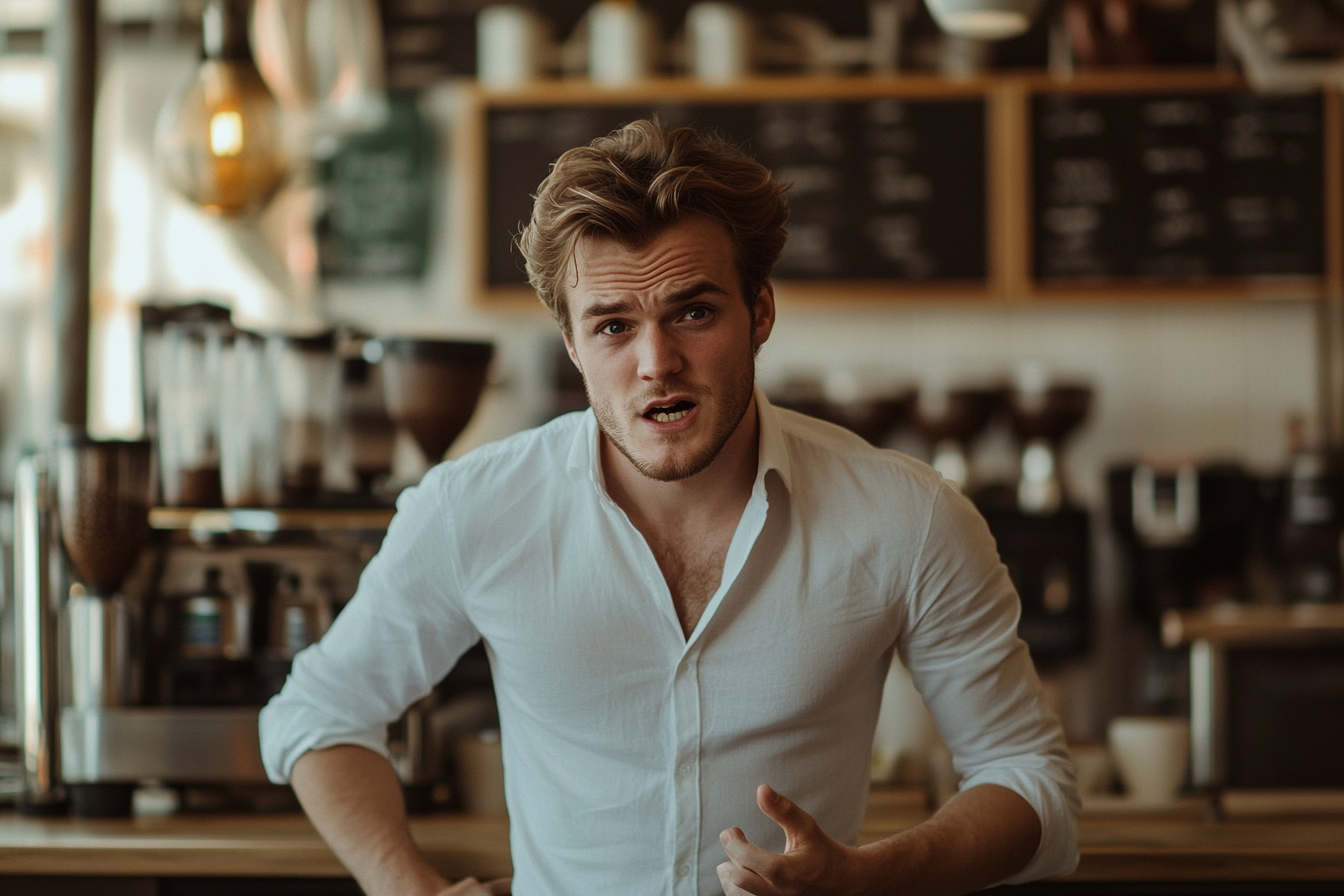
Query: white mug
x=1151, y=754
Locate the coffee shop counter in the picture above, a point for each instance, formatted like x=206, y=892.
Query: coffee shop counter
x=1186, y=843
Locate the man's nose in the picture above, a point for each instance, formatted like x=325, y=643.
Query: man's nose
x=659, y=354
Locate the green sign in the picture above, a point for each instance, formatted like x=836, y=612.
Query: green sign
x=379, y=187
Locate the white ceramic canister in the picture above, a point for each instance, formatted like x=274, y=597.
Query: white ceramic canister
x=621, y=42
x=719, y=38
x=512, y=46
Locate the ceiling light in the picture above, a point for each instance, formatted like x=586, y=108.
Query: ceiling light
x=983, y=19
x=219, y=137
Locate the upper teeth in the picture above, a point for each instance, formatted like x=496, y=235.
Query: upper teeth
x=666, y=417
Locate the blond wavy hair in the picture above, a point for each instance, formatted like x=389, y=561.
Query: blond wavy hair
x=637, y=181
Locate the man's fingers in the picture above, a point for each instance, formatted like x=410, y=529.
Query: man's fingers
x=500, y=886
x=747, y=855
x=729, y=877
x=742, y=851
x=739, y=881
x=784, y=812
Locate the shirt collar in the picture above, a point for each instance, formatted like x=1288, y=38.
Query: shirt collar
x=772, y=453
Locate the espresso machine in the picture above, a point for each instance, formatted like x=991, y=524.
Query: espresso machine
x=150, y=634
x=1186, y=531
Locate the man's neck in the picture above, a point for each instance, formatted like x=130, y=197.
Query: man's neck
x=718, y=491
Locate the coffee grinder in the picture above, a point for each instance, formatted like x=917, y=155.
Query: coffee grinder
x=1044, y=538
x=871, y=406
x=76, y=639
x=431, y=387
x=104, y=491
x=950, y=419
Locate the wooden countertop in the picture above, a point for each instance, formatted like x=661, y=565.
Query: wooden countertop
x=1189, y=844
x=231, y=845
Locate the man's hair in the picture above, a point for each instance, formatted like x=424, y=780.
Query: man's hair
x=637, y=181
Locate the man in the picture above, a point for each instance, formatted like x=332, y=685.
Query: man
x=685, y=593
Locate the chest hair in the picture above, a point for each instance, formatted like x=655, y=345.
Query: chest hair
x=692, y=565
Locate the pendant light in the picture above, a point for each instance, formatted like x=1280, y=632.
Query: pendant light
x=983, y=19
x=219, y=139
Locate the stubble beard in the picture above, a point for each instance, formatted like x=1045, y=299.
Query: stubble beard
x=733, y=400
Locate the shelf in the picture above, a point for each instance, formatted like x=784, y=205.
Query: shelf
x=1240, y=625
x=220, y=521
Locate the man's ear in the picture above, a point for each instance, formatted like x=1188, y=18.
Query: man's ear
x=569, y=347
x=763, y=315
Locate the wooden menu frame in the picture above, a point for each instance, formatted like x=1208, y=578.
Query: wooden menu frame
x=1008, y=188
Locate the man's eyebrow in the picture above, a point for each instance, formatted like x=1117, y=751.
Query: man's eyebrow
x=602, y=309
x=680, y=297
x=694, y=291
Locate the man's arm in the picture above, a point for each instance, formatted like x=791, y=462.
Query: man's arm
x=978, y=838
x=353, y=798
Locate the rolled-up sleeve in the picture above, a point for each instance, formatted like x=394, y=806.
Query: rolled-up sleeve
x=977, y=678
x=397, y=637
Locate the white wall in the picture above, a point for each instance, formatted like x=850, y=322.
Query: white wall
x=1195, y=379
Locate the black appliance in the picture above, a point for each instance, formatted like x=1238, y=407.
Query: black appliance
x=1049, y=561
x=1186, y=531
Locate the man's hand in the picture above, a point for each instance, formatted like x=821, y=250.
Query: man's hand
x=470, y=886
x=812, y=863
x=353, y=798
x=979, y=837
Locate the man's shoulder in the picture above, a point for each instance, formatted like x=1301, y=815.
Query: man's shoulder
x=541, y=453
x=520, y=477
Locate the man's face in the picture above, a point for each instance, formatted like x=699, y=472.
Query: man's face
x=666, y=344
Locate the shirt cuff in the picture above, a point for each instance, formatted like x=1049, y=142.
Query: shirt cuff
x=1057, y=806
x=287, y=731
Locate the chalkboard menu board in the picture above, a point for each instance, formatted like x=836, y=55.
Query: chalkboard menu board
x=1177, y=187
x=882, y=189
x=377, y=187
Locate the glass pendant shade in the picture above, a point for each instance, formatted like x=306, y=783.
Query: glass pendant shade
x=220, y=139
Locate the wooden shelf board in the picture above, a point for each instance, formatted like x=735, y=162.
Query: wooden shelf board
x=224, y=520
x=1234, y=624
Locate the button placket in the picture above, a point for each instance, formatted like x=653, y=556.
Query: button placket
x=686, y=777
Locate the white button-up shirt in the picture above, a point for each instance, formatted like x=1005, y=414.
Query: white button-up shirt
x=627, y=746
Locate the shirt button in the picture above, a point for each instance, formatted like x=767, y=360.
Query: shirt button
x=684, y=770
x=683, y=869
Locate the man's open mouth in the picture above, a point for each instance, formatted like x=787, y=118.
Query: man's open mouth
x=670, y=413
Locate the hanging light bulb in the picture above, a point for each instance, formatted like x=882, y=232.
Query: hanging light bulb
x=219, y=138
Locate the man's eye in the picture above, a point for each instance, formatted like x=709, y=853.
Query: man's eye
x=612, y=328
x=699, y=312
